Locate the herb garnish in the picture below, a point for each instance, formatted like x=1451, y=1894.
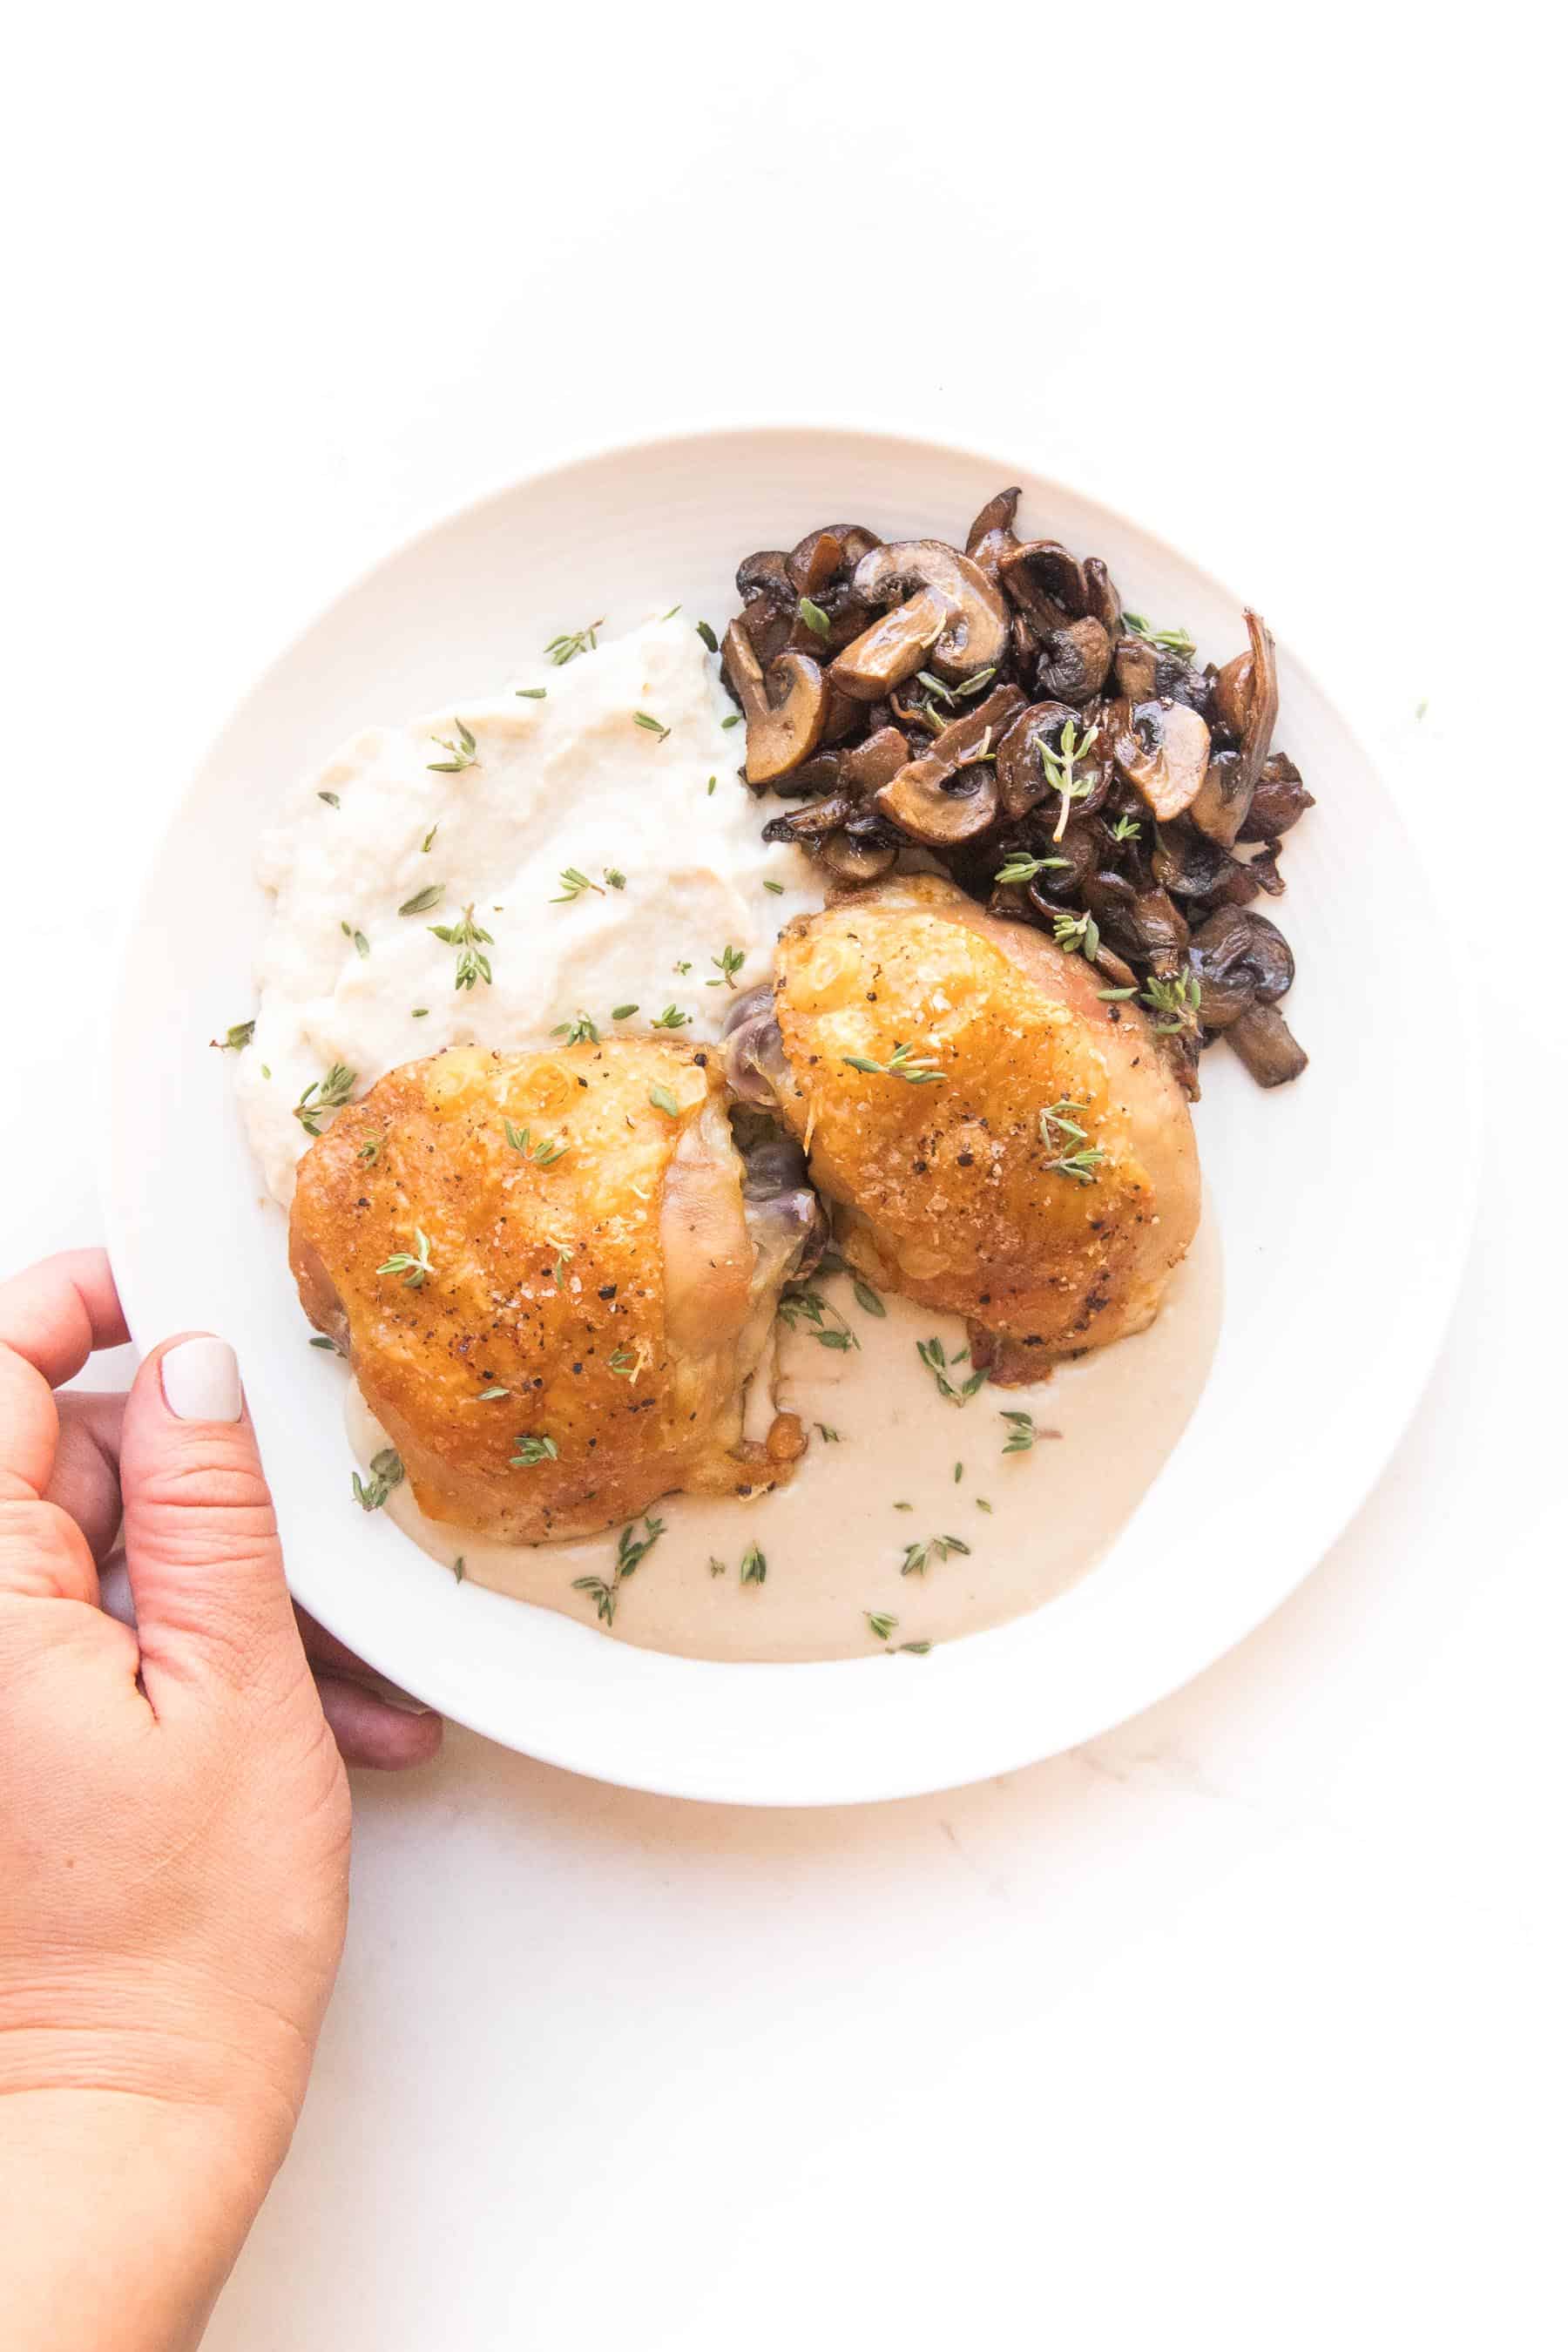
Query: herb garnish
x=320, y=1339
x=630, y=1552
x=572, y=885
x=614, y=877
x=458, y=1568
x=727, y=964
x=415, y=1268
x=1176, y=1000
x=1077, y=934
x=653, y=726
x=828, y=1436
x=662, y=1099
x=1022, y=868
x=1126, y=828
x=753, y=1566
x=868, y=1298
x=881, y=1625
x=531, y=693
x=707, y=635
x=464, y=752
x=1169, y=641
x=733, y=719
x=489, y=1396
x=423, y=900
x=578, y=1031
x=469, y=936
x=672, y=1017
x=361, y=945
x=1021, y=1433
x=1059, y=768
x=900, y=1064
x=571, y=642
x=238, y=1038
x=777, y=888
x=331, y=798
x=545, y=1153
x=385, y=1473
x=330, y=1093
x=909, y=1650
x=810, y=1307
x=918, y=1556
x=624, y=1364
x=370, y=1151
x=815, y=619
x=935, y=1359
x=532, y=1451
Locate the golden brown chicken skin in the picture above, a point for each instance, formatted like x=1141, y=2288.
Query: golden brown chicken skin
x=579, y=1282
x=955, y=1181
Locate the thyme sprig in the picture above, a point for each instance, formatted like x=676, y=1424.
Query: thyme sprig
x=1078, y=934
x=672, y=1017
x=1175, y=1001
x=236, y=1039
x=385, y=1473
x=1169, y=641
x=938, y=1363
x=1060, y=769
x=918, y=1556
x=727, y=963
x=414, y=1266
x=469, y=936
x=545, y=1153
x=578, y=1031
x=652, y=726
x=572, y=642
x=753, y=1566
x=572, y=885
x=1022, y=868
x=900, y=1064
x=881, y=1624
x=630, y=1552
x=464, y=752
x=330, y=1093
x=823, y=1322
x=532, y=1450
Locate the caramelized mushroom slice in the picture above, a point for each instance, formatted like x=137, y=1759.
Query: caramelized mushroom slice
x=1265, y=1046
x=990, y=534
x=1021, y=771
x=892, y=648
x=812, y=823
x=1074, y=662
x=1104, y=602
x=1247, y=695
x=975, y=636
x=836, y=547
x=1222, y=801
x=1163, y=750
x=915, y=799
x=877, y=761
x=784, y=709
x=856, y=861
x=1280, y=798
x=1134, y=665
x=1045, y=582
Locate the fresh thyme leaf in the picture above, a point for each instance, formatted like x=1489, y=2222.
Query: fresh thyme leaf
x=918, y=1556
x=715, y=1568
x=680, y=970
x=622, y=1011
x=470, y=937
x=545, y=1153
x=900, y=1064
x=707, y=635
x=1176, y=1000
x=361, y=945
x=712, y=780
x=1059, y=768
x=558, y=1271
x=578, y=1031
x=1114, y=995
x=733, y=719
x=958, y=1473
x=1126, y=828
x=815, y=619
x=614, y=877
x=662, y=1099
x=909, y=1650
x=421, y=1012
x=572, y=885
x=532, y=1451
x=487, y=1396
x=624, y=1364
x=331, y=798
x=633, y=1549
x=727, y=963
x=385, y=1473
x=237, y=1039
x=828, y=1436
x=463, y=751
x=809, y=1307
x=370, y=1151
x=1083, y=1167
x=1021, y=1433
x=869, y=1299
x=933, y=684
x=320, y=1339
x=1170, y=641
x=933, y=1356
x=1078, y=934
x=672, y=1017
x=458, y=1571
x=670, y=614
x=1022, y=868
x=414, y=1267
x=981, y=1504
x=753, y=1566
x=426, y=844
x=881, y=1625
x=651, y=725
x=330, y=1093
x=777, y=888
x=1061, y=1120
x=571, y=642
x=423, y=900
x=975, y=684
x=531, y=693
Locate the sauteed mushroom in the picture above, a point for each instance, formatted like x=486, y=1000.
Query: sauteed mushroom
x=894, y=647
x=1163, y=749
x=1280, y=798
x=975, y=636
x=918, y=799
x=785, y=709
x=1074, y=661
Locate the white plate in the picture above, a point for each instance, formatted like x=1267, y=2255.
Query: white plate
x=1343, y=1201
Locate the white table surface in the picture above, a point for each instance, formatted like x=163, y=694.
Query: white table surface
x=1243, y=2022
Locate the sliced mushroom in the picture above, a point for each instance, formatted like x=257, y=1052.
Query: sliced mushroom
x=1045, y=582
x=1104, y=603
x=836, y=547
x=916, y=800
x=990, y=534
x=844, y=715
x=1246, y=696
x=1134, y=665
x=1280, y=798
x=819, y=774
x=1188, y=862
x=812, y=822
x=877, y=761
x=1263, y=1042
x=785, y=709
x=1163, y=750
x=1221, y=802
x=1241, y=961
x=766, y=574
x=1074, y=662
x=1021, y=771
x=975, y=634
x=893, y=648
x=855, y=861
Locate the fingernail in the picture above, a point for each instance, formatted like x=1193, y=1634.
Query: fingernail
x=201, y=1381
x=390, y=1695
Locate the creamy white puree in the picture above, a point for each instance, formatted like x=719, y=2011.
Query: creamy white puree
x=835, y=1539
x=568, y=780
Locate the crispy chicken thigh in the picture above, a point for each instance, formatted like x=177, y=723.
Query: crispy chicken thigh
x=584, y=1273
x=1000, y=1142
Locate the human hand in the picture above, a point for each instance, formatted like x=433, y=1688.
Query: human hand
x=173, y=1829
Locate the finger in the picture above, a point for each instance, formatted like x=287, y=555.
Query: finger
x=201, y=1541
x=85, y=1482
x=44, y=1555
x=325, y=1650
x=371, y=1731
x=51, y=1319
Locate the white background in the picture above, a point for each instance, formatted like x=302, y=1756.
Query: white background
x=1241, y=2025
